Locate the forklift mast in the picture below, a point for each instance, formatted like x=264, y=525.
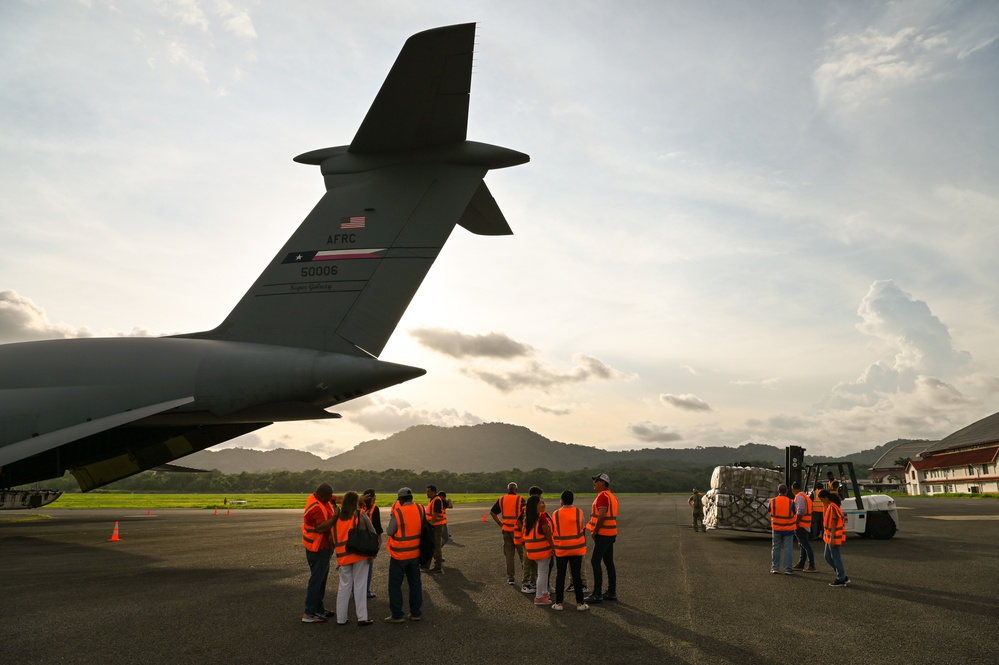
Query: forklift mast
x=794, y=465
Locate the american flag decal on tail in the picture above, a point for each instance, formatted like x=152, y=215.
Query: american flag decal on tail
x=352, y=222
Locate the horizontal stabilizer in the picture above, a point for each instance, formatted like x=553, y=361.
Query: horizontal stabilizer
x=483, y=216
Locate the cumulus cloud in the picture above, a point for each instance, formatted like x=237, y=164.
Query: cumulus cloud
x=913, y=392
x=21, y=320
x=506, y=364
x=554, y=410
x=921, y=344
x=685, y=402
x=922, y=341
x=460, y=345
x=769, y=384
x=651, y=433
x=536, y=375
x=182, y=55
x=788, y=423
x=864, y=68
x=236, y=21
x=387, y=416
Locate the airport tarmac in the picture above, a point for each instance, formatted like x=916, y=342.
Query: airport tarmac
x=188, y=586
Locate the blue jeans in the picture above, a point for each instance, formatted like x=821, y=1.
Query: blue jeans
x=835, y=559
x=781, y=550
x=806, y=547
x=410, y=569
x=319, y=565
x=603, y=550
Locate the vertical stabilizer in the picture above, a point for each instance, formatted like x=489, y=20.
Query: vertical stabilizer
x=346, y=276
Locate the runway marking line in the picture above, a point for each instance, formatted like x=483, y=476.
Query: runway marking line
x=961, y=518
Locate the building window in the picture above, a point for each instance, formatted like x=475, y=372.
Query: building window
x=971, y=470
x=985, y=469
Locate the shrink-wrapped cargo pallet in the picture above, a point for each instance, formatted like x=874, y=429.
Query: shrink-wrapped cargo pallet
x=736, y=480
x=739, y=498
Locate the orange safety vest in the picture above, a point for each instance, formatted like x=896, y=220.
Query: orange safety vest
x=570, y=539
x=782, y=517
x=430, y=512
x=310, y=540
x=343, y=527
x=405, y=544
x=536, y=545
x=805, y=521
x=833, y=525
x=510, y=506
x=609, y=527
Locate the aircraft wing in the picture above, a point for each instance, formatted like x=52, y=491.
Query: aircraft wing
x=49, y=440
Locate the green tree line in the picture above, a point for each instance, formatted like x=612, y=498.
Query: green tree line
x=645, y=479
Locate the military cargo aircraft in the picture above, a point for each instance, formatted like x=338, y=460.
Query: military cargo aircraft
x=308, y=333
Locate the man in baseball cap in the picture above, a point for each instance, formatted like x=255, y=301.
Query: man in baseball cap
x=603, y=528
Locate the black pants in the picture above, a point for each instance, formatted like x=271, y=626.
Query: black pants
x=603, y=550
x=575, y=564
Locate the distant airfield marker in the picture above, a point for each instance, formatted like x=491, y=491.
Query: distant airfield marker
x=962, y=518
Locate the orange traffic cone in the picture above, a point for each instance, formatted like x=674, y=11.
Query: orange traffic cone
x=227, y=512
x=216, y=511
x=149, y=511
x=114, y=536
x=484, y=513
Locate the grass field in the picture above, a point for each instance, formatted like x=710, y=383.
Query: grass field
x=76, y=500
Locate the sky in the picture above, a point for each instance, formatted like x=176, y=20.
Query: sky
x=769, y=222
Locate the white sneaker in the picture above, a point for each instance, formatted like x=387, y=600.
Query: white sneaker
x=558, y=607
x=583, y=607
x=527, y=588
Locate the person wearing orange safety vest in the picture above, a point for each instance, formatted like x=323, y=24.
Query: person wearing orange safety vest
x=783, y=523
x=569, y=536
x=320, y=515
x=375, y=517
x=404, y=529
x=803, y=528
x=834, y=535
x=505, y=512
x=603, y=527
x=437, y=517
x=539, y=545
x=528, y=584
x=353, y=567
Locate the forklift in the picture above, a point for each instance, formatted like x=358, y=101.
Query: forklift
x=874, y=515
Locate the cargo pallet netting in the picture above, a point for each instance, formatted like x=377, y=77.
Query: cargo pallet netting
x=739, y=498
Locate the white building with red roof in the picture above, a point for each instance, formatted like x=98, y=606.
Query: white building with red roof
x=964, y=462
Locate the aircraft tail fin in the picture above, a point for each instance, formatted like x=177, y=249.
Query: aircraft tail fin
x=346, y=276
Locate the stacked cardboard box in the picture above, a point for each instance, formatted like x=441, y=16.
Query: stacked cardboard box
x=739, y=498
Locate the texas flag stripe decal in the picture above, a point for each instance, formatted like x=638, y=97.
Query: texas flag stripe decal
x=333, y=255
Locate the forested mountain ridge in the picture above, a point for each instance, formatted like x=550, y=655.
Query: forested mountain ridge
x=492, y=447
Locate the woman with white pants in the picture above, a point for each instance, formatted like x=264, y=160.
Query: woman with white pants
x=353, y=567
